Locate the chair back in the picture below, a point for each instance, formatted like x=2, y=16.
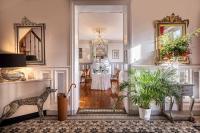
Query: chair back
x=87, y=73
x=116, y=75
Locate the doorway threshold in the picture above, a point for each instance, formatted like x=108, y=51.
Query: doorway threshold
x=101, y=111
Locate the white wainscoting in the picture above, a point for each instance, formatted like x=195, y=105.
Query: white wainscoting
x=15, y=90
x=60, y=80
x=186, y=74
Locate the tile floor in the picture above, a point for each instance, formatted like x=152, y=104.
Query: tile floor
x=104, y=123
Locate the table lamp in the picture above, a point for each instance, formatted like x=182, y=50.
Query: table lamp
x=9, y=63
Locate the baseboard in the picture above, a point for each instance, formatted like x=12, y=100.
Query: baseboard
x=21, y=118
x=52, y=112
x=55, y=113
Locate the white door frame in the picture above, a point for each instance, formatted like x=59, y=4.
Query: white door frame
x=74, y=70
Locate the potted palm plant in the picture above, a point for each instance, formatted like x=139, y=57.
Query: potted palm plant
x=144, y=87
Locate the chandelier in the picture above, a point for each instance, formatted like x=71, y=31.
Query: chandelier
x=99, y=42
x=100, y=46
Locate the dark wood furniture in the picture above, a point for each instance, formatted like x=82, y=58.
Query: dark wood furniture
x=85, y=75
x=115, y=78
x=87, y=78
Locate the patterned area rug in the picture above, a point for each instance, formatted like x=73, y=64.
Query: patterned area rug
x=101, y=126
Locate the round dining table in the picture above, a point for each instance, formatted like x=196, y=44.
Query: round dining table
x=101, y=81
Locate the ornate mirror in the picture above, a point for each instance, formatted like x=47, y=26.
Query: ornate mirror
x=30, y=40
x=174, y=27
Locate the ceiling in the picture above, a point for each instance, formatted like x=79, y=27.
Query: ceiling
x=108, y=18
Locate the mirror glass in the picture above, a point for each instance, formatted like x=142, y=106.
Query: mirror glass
x=174, y=31
x=174, y=27
x=30, y=41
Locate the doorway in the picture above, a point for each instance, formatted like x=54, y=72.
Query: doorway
x=100, y=43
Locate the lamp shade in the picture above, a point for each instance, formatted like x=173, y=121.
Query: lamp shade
x=12, y=60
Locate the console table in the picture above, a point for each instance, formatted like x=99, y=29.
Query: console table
x=13, y=90
x=187, y=90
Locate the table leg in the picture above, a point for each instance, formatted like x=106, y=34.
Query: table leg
x=170, y=108
x=191, y=109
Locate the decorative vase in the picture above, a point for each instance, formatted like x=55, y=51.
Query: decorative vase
x=145, y=114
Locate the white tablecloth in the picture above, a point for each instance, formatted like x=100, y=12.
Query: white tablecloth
x=100, y=81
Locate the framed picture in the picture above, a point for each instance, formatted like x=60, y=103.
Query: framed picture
x=115, y=54
x=80, y=53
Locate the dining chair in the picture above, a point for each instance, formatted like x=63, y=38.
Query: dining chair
x=115, y=78
x=88, y=78
x=85, y=74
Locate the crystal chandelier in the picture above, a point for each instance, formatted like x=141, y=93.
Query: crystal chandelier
x=99, y=41
x=99, y=44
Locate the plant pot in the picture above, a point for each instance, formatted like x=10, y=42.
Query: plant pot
x=144, y=113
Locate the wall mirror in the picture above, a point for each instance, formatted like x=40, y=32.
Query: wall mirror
x=174, y=26
x=30, y=40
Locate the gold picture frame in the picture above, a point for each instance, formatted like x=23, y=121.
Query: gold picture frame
x=169, y=22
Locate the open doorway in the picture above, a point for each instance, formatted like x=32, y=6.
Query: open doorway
x=100, y=55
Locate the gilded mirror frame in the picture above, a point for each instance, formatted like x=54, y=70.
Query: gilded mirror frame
x=172, y=20
x=26, y=23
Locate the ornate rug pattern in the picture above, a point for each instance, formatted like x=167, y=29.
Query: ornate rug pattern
x=101, y=126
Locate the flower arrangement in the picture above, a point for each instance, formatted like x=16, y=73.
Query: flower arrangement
x=178, y=47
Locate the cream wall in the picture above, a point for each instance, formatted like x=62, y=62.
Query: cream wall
x=144, y=12
x=55, y=13
x=86, y=54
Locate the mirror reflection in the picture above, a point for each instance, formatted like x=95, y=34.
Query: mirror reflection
x=173, y=31
x=30, y=41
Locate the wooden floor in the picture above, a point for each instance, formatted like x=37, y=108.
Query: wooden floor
x=97, y=99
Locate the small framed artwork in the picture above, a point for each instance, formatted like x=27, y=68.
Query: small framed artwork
x=115, y=54
x=80, y=53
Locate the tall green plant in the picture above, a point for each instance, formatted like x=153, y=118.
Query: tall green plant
x=145, y=86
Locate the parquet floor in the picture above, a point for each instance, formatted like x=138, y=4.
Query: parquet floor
x=97, y=99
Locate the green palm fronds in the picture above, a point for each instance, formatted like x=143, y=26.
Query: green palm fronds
x=145, y=86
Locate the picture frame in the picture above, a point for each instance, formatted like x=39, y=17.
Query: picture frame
x=115, y=54
x=169, y=25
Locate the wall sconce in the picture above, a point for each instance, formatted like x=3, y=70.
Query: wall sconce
x=9, y=64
